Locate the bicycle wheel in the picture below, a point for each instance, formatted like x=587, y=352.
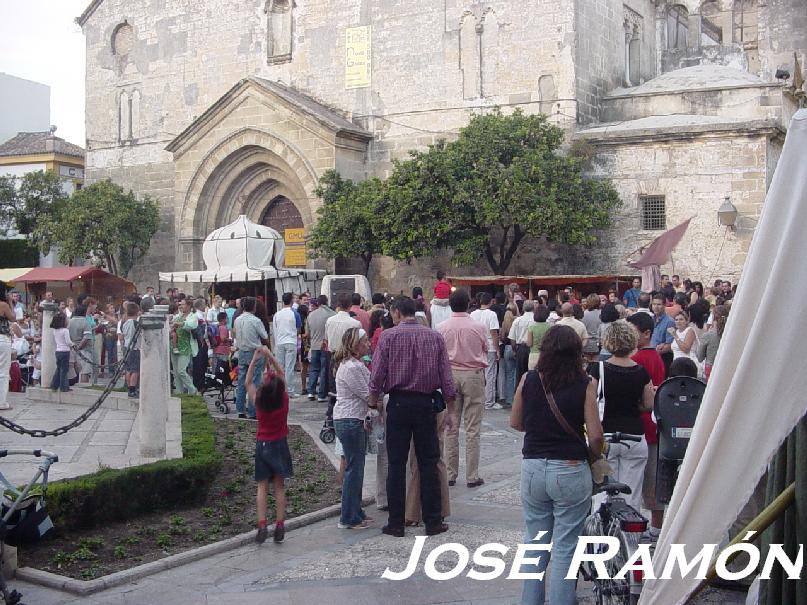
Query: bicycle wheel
x=611, y=591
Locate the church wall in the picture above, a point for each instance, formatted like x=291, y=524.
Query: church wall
x=694, y=175
x=600, y=53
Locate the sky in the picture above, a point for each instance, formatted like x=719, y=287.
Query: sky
x=40, y=41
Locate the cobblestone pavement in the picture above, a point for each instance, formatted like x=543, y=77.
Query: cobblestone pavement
x=322, y=564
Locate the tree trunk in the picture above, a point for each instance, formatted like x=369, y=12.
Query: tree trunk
x=366, y=259
x=501, y=262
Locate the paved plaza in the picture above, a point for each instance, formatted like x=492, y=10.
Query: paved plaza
x=322, y=564
x=108, y=438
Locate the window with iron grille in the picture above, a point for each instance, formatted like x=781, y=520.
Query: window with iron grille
x=653, y=211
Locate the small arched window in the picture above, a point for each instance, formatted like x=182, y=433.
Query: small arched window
x=745, y=21
x=677, y=27
x=122, y=39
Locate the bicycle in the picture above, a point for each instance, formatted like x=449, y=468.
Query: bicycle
x=615, y=518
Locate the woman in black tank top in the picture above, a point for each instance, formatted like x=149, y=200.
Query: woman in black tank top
x=555, y=475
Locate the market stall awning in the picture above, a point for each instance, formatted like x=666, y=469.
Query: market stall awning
x=9, y=276
x=547, y=280
x=238, y=274
x=68, y=274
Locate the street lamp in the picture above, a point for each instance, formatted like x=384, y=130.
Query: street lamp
x=727, y=213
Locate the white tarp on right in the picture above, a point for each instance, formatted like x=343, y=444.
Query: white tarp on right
x=758, y=386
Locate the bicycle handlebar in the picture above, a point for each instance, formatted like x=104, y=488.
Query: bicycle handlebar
x=619, y=437
x=36, y=452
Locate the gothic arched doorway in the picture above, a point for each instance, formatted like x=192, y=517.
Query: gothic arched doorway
x=282, y=214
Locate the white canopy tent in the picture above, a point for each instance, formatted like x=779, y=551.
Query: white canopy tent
x=756, y=392
x=244, y=251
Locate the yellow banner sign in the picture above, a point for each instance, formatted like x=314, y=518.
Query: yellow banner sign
x=357, y=57
x=294, y=236
x=295, y=257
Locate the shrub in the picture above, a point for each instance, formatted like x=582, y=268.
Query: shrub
x=120, y=494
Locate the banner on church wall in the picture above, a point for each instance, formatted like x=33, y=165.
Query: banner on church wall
x=295, y=257
x=295, y=247
x=357, y=57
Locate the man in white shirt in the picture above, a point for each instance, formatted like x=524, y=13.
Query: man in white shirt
x=518, y=338
x=285, y=326
x=17, y=306
x=488, y=319
x=567, y=319
x=335, y=328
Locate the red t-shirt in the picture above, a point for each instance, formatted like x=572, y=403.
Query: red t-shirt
x=651, y=361
x=442, y=289
x=273, y=426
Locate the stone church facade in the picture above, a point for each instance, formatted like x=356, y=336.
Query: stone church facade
x=221, y=108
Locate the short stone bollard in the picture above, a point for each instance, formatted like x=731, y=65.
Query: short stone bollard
x=153, y=398
x=48, y=344
x=163, y=310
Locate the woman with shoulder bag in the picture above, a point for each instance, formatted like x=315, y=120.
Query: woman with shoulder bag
x=555, y=406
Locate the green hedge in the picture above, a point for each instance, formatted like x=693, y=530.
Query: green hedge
x=121, y=494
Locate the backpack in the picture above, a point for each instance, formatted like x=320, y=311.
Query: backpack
x=200, y=332
x=213, y=335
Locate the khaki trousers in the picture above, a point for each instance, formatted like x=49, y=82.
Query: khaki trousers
x=469, y=404
x=413, y=512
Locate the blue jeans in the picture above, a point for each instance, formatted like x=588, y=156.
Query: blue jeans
x=59, y=380
x=353, y=438
x=556, y=496
x=241, y=404
x=318, y=374
x=509, y=374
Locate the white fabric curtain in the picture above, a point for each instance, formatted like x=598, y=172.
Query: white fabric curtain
x=757, y=389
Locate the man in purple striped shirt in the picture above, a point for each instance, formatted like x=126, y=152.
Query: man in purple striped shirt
x=410, y=363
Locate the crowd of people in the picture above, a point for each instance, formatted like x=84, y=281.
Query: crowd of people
x=404, y=373
x=419, y=369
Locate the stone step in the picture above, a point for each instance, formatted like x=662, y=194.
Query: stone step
x=83, y=397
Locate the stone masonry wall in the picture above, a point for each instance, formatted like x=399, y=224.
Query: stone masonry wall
x=695, y=176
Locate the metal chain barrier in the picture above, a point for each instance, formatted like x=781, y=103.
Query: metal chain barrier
x=100, y=366
x=21, y=430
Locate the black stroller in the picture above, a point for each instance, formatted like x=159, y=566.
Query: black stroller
x=24, y=515
x=221, y=378
x=327, y=433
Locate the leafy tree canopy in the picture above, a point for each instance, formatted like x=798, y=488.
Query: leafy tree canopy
x=103, y=221
x=26, y=200
x=347, y=223
x=502, y=180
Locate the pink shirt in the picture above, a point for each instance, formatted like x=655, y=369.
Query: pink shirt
x=466, y=342
x=363, y=317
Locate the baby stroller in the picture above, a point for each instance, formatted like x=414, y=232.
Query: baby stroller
x=222, y=378
x=327, y=433
x=24, y=515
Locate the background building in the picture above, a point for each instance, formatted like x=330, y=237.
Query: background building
x=219, y=109
x=24, y=106
x=32, y=151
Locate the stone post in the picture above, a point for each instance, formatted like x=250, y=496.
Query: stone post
x=48, y=344
x=163, y=310
x=153, y=400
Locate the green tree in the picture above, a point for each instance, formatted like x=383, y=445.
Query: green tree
x=347, y=223
x=106, y=223
x=27, y=200
x=502, y=180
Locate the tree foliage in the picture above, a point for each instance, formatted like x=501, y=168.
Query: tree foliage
x=347, y=223
x=104, y=222
x=502, y=180
x=29, y=199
